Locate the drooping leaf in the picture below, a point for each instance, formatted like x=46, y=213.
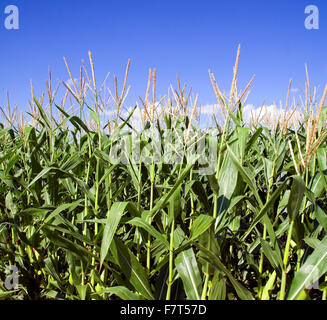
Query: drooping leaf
x=313, y=268
x=131, y=268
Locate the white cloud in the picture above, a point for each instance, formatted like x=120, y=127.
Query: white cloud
x=69, y=82
x=269, y=114
x=209, y=109
x=109, y=113
x=135, y=121
x=265, y=115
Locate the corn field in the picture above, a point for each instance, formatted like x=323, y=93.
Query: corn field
x=99, y=209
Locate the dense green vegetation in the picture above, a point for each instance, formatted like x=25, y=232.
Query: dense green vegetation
x=79, y=225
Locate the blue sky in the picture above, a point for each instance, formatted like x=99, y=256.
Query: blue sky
x=184, y=37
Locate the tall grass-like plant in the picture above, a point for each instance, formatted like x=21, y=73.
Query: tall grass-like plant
x=94, y=207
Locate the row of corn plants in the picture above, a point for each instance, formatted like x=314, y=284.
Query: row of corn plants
x=94, y=210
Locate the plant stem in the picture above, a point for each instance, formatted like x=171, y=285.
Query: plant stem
x=285, y=261
x=171, y=260
x=148, y=257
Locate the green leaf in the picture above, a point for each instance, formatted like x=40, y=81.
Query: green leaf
x=162, y=202
x=242, y=136
x=312, y=242
x=113, y=218
x=174, y=208
x=131, y=268
x=321, y=216
x=76, y=122
x=188, y=270
x=197, y=188
x=213, y=259
x=213, y=184
x=268, y=205
x=11, y=163
x=53, y=272
x=253, y=139
x=42, y=114
x=218, y=291
x=33, y=211
x=246, y=177
x=313, y=268
x=269, y=286
x=4, y=295
x=296, y=197
x=121, y=292
x=139, y=222
x=273, y=256
x=322, y=162
x=77, y=250
x=83, y=291
x=62, y=208
x=40, y=175
x=200, y=225
x=227, y=182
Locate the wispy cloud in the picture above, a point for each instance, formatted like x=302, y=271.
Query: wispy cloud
x=265, y=115
x=269, y=114
x=135, y=120
x=69, y=82
x=209, y=109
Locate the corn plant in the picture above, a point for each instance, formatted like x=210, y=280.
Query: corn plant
x=94, y=209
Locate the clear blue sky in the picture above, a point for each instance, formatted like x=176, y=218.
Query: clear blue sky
x=184, y=37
